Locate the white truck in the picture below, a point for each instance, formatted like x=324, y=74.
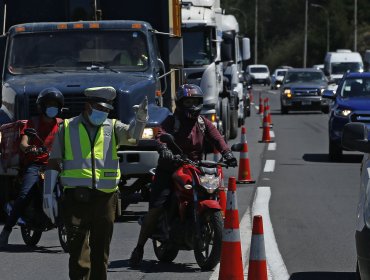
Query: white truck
x=201, y=30
x=339, y=62
x=233, y=57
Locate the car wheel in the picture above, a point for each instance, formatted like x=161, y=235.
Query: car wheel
x=325, y=110
x=284, y=109
x=335, y=151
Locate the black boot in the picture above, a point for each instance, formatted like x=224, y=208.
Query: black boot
x=136, y=257
x=4, y=237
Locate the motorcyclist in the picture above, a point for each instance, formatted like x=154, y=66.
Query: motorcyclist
x=190, y=131
x=49, y=102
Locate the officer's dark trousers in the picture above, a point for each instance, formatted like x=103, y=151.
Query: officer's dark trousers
x=89, y=232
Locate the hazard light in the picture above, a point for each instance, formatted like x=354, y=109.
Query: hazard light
x=78, y=26
x=136, y=25
x=94, y=25
x=20, y=29
x=62, y=26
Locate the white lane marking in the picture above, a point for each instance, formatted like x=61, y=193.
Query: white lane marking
x=269, y=165
x=271, y=147
x=245, y=228
x=272, y=134
x=275, y=262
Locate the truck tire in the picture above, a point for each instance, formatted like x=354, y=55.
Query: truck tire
x=335, y=151
x=225, y=112
x=234, y=122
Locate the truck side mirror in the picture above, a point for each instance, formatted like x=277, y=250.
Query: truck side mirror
x=246, y=49
x=163, y=79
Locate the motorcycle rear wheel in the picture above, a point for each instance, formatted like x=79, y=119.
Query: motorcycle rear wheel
x=165, y=251
x=207, y=250
x=30, y=237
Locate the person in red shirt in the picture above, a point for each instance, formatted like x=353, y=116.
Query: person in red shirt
x=190, y=130
x=35, y=150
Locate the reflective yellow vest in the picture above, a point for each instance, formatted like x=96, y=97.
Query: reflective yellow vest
x=85, y=165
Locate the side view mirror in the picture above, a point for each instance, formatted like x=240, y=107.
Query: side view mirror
x=237, y=147
x=355, y=138
x=327, y=93
x=30, y=132
x=167, y=138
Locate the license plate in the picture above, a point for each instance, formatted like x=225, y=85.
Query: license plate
x=306, y=102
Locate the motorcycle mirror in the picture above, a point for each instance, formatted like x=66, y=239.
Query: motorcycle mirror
x=237, y=147
x=30, y=132
x=167, y=138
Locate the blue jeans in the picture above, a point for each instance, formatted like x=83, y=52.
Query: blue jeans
x=30, y=178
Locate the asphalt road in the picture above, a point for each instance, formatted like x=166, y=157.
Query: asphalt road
x=312, y=209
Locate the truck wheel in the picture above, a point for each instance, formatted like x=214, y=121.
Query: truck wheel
x=284, y=109
x=325, y=110
x=233, y=124
x=335, y=152
x=225, y=118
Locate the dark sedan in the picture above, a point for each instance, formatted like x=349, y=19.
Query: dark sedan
x=351, y=104
x=302, y=89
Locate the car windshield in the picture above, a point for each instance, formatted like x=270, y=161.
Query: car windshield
x=197, y=47
x=343, y=67
x=258, y=70
x=281, y=73
x=304, y=77
x=359, y=87
x=78, y=50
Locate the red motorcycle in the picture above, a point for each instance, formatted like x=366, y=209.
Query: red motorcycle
x=193, y=220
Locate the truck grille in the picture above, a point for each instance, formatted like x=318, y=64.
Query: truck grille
x=306, y=92
x=360, y=117
x=74, y=105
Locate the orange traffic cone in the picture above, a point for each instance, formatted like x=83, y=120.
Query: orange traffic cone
x=244, y=174
x=266, y=129
x=231, y=264
x=261, y=109
x=269, y=113
x=257, y=269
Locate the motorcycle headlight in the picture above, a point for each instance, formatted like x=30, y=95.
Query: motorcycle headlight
x=209, y=182
x=342, y=112
x=148, y=133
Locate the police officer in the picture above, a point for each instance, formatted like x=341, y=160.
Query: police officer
x=86, y=148
x=190, y=131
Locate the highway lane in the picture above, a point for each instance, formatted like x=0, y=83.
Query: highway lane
x=313, y=201
x=19, y=262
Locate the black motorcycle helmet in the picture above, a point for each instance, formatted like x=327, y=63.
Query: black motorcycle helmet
x=47, y=95
x=189, y=100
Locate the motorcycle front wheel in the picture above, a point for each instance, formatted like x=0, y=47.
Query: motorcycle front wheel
x=62, y=234
x=207, y=249
x=30, y=237
x=165, y=251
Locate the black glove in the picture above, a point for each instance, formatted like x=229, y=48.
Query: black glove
x=166, y=154
x=230, y=159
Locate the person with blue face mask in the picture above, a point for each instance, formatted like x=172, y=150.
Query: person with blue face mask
x=49, y=103
x=86, y=148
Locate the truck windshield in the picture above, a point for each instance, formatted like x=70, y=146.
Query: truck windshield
x=258, y=70
x=343, y=67
x=304, y=77
x=197, y=47
x=359, y=87
x=78, y=50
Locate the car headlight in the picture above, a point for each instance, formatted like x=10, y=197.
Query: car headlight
x=342, y=112
x=321, y=91
x=288, y=92
x=209, y=182
x=148, y=133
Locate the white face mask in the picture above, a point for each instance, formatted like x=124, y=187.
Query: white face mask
x=51, y=112
x=97, y=117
